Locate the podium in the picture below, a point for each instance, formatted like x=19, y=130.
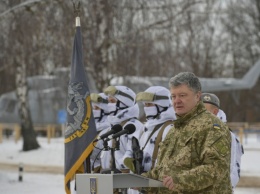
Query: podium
x=105, y=183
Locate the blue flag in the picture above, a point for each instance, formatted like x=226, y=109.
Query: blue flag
x=81, y=129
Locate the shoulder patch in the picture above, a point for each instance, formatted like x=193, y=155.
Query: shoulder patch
x=216, y=126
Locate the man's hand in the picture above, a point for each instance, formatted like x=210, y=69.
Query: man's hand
x=168, y=182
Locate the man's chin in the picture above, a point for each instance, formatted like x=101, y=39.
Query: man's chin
x=179, y=114
x=179, y=111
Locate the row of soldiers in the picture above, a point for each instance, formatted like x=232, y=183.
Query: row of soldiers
x=137, y=152
x=117, y=105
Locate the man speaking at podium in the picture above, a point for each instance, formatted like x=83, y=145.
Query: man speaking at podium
x=195, y=155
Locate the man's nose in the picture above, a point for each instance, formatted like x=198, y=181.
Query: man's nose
x=176, y=100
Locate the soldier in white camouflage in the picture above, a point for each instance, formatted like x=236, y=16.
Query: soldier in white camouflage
x=195, y=155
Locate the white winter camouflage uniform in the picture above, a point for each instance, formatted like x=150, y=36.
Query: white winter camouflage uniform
x=236, y=153
x=127, y=114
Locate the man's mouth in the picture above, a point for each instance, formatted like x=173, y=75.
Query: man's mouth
x=179, y=107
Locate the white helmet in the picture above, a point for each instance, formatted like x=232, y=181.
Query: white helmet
x=155, y=94
x=122, y=93
x=100, y=100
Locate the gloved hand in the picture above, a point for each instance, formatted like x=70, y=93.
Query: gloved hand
x=97, y=169
x=129, y=162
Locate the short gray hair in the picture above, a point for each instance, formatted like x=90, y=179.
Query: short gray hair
x=187, y=78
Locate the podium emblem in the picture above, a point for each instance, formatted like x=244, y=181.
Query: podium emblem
x=93, y=185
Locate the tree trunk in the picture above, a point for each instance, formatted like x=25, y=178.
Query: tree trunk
x=27, y=130
x=103, y=27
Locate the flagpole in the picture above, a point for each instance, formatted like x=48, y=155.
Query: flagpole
x=80, y=128
x=77, y=21
x=77, y=13
x=87, y=163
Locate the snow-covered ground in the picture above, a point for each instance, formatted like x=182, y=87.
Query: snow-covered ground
x=43, y=168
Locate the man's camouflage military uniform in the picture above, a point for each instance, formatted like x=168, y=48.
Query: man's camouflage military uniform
x=196, y=154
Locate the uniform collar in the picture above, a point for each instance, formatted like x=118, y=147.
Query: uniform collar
x=198, y=109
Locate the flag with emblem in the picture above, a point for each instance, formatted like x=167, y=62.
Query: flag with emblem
x=80, y=128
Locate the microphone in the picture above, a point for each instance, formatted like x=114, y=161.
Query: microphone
x=115, y=129
x=129, y=129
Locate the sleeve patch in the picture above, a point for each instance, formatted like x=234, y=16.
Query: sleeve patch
x=216, y=126
x=221, y=147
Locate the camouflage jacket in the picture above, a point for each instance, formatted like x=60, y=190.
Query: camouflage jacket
x=196, y=154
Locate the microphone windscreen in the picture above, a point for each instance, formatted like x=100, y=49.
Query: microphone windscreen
x=116, y=128
x=131, y=128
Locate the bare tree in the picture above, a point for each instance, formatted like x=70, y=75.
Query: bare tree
x=140, y=38
x=21, y=58
x=27, y=130
x=101, y=13
x=241, y=23
x=20, y=45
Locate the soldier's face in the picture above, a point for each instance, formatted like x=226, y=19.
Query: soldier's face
x=184, y=99
x=211, y=108
x=96, y=107
x=147, y=104
x=112, y=99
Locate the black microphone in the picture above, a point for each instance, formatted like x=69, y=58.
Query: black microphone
x=129, y=129
x=115, y=129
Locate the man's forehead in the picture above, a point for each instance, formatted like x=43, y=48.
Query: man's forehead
x=180, y=89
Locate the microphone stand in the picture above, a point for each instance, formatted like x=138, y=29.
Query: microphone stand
x=117, y=147
x=105, y=145
x=113, y=161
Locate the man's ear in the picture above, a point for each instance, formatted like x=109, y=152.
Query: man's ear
x=198, y=95
x=215, y=111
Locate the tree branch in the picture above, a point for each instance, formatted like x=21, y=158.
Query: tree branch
x=19, y=6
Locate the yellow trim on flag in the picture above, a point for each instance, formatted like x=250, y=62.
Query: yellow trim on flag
x=77, y=165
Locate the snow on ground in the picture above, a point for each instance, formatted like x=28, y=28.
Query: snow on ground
x=33, y=183
x=51, y=156
x=48, y=154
